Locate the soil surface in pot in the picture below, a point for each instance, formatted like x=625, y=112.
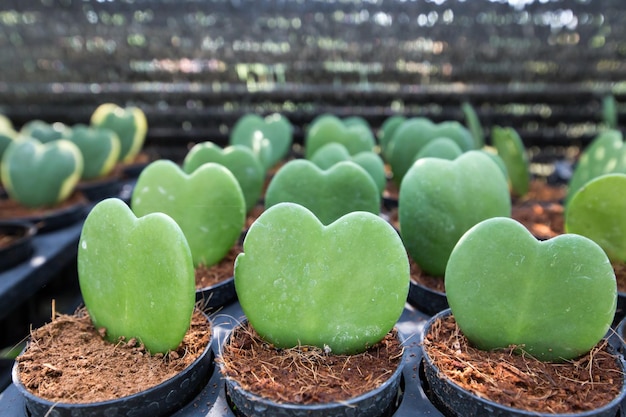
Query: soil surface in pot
x=305, y=374
x=224, y=269
x=68, y=361
x=520, y=381
x=11, y=209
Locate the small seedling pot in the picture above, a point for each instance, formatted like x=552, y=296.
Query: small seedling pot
x=159, y=401
x=21, y=246
x=456, y=401
x=375, y=403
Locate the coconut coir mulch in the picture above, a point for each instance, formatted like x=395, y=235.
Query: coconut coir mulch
x=209, y=276
x=11, y=209
x=68, y=361
x=520, y=381
x=305, y=374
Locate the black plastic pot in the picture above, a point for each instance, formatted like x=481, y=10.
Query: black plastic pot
x=159, y=401
x=217, y=295
x=21, y=248
x=426, y=299
x=376, y=403
x=452, y=400
x=98, y=190
x=59, y=218
x=620, y=311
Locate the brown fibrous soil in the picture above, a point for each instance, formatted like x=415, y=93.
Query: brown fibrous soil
x=429, y=281
x=209, y=276
x=11, y=209
x=68, y=361
x=306, y=374
x=521, y=381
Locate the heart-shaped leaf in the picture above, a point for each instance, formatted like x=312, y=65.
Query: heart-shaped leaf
x=598, y=211
x=100, y=149
x=329, y=194
x=554, y=299
x=207, y=204
x=512, y=151
x=129, y=123
x=386, y=131
x=136, y=275
x=412, y=135
x=604, y=155
x=275, y=130
x=332, y=153
x=38, y=175
x=328, y=128
x=444, y=148
x=45, y=132
x=343, y=285
x=439, y=200
x=239, y=160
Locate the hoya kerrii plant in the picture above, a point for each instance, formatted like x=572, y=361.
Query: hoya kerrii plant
x=207, y=204
x=327, y=128
x=342, y=285
x=541, y=307
x=270, y=137
x=239, y=159
x=554, y=299
x=510, y=148
x=136, y=275
x=45, y=132
x=39, y=174
x=598, y=211
x=605, y=154
x=129, y=123
x=415, y=133
x=441, y=199
x=335, y=152
x=99, y=147
x=329, y=194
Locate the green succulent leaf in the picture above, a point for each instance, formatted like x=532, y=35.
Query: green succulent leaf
x=606, y=154
x=598, y=211
x=439, y=200
x=473, y=124
x=100, y=149
x=387, y=129
x=609, y=111
x=554, y=299
x=329, y=194
x=328, y=128
x=207, y=204
x=136, y=275
x=41, y=174
x=269, y=137
x=45, y=132
x=513, y=152
x=412, y=135
x=444, y=148
x=343, y=286
x=129, y=123
x=239, y=159
x=332, y=153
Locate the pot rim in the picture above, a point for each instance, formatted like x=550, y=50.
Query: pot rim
x=396, y=376
x=613, y=404
x=29, y=396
